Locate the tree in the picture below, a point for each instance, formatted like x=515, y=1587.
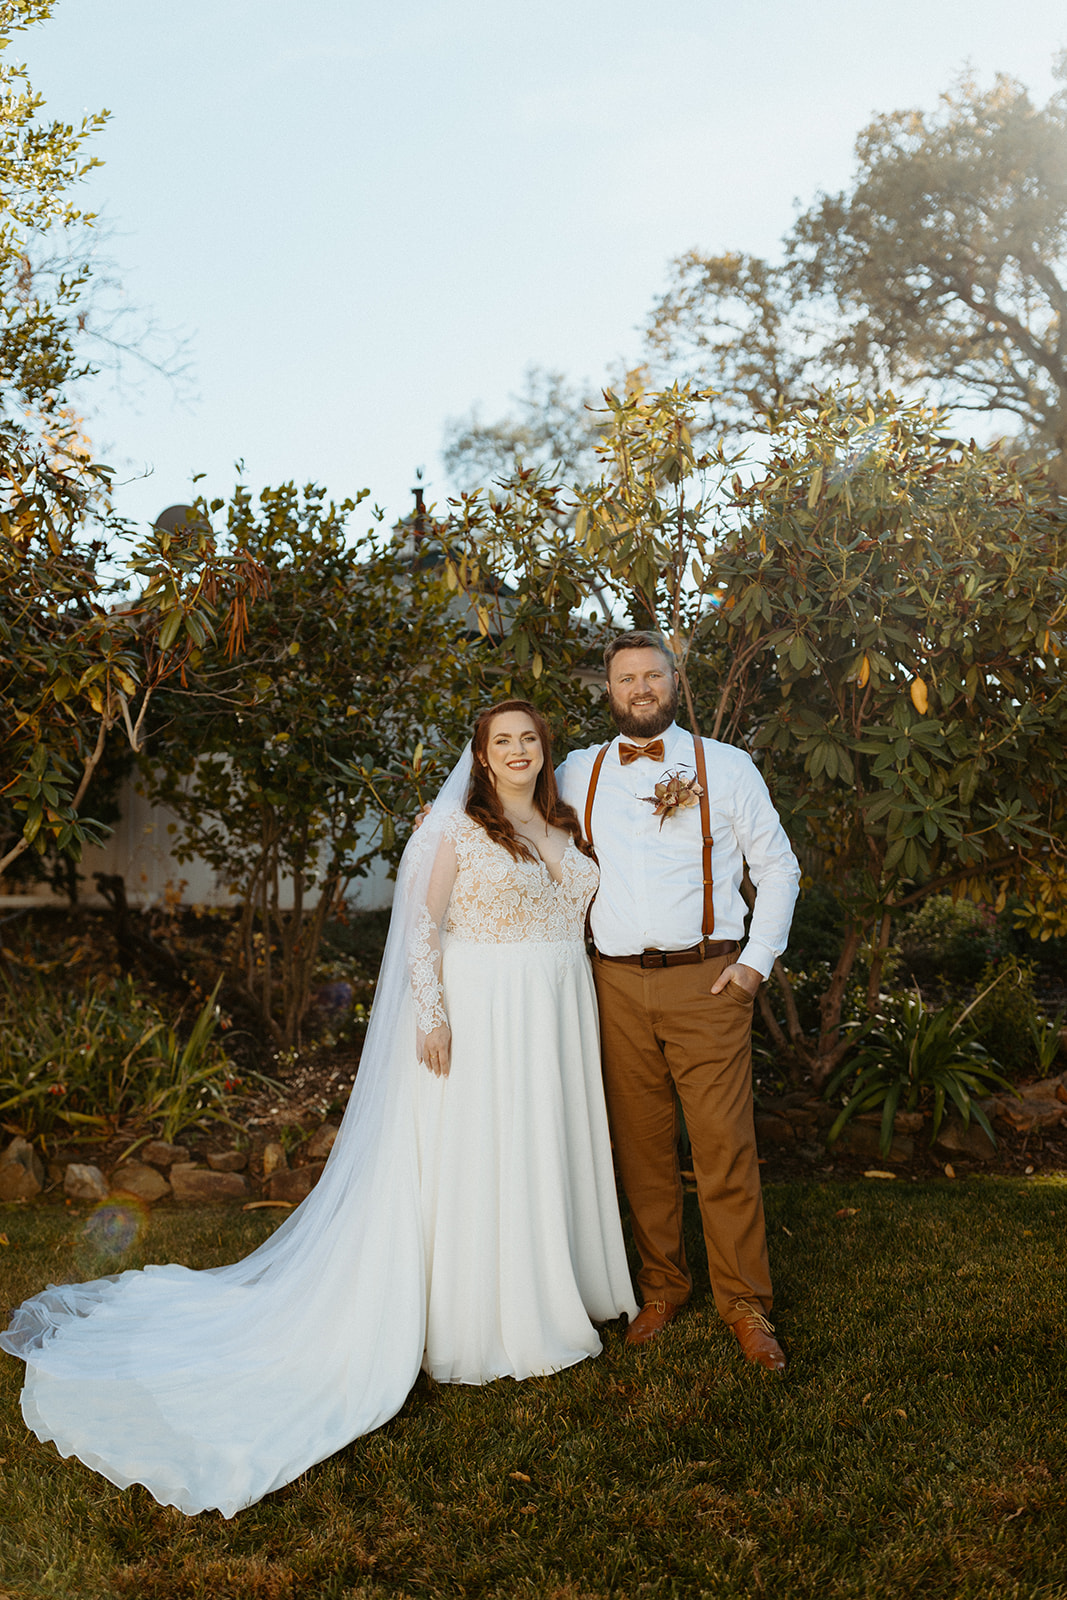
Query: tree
x=893, y=608
x=40, y=164
x=729, y=323
x=878, y=613
x=941, y=271
x=71, y=668
x=74, y=668
x=290, y=767
x=553, y=430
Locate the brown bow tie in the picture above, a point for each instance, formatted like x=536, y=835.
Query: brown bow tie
x=634, y=752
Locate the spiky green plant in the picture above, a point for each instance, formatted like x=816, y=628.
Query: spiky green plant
x=914, y=1059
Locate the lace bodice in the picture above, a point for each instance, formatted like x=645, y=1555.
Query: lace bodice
x=479, y=894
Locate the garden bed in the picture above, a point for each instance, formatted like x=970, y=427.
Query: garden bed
x=278, y=1107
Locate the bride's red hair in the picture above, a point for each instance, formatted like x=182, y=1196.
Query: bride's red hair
x=482, y=802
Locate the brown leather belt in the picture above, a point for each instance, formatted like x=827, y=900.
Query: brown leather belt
x=706, y=950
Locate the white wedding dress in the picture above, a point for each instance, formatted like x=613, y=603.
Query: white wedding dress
x=467, y=1224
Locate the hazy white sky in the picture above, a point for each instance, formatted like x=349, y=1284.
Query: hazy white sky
x=368, y=218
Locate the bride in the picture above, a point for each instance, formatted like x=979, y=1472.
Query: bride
x=466, y=1221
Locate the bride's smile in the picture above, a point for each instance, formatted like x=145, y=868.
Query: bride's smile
x=514, y=756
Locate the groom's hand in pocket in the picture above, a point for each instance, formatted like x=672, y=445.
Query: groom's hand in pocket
x=746, y=978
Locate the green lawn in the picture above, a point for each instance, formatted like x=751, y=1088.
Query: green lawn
x=916, y=1448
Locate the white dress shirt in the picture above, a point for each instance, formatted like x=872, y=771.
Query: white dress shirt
x=651, y=894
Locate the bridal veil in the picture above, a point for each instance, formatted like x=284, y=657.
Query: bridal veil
x=213, y=1388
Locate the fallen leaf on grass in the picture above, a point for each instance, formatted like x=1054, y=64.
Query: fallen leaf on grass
x=950, y=1171
x=3, y=1238
x=520, y=1477
x=264, y=1205
x=847, y=1211
x=875, y=1173
x=527, y=1511
x=789, y=1231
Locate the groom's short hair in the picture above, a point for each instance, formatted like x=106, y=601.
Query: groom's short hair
x=641, y=639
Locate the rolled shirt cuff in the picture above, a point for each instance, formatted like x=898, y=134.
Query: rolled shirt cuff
x=758, y=956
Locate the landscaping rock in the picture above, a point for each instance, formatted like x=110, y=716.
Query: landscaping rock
x=1038, y=1107
x=774, y=1130
x=228, y=1161
x=860, y=1139
x=908, y=1122
x=139, y=1180
x=20, y=1153
x=956, y=1138
x=274, y=1159
x=293, y=1184
x=159, y=1154
x=805, y=1113
x=16, y=1183
x=321, y=1142
x=191, y=1182
x=83, y=1182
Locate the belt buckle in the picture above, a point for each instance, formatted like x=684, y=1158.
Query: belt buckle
x=653, y=958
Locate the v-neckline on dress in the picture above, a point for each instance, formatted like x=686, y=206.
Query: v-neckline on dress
x=555, y=882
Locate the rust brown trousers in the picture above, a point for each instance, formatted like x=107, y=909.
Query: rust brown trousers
x=663, y=1031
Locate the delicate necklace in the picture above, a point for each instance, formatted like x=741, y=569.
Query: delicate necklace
x=512, y=818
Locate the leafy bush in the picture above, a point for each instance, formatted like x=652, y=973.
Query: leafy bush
x=914, y=1059
x=948, y=941
x=1006, y=1013
x=816, y=932
x=91, y=1059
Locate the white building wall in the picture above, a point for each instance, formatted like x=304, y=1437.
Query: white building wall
x=140, y=851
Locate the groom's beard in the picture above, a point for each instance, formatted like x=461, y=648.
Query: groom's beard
x=647, y=722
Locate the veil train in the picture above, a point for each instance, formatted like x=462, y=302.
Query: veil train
x=213, y=1388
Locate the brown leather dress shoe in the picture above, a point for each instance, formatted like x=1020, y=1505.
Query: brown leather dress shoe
x=755, y=1335
x=650, y=1320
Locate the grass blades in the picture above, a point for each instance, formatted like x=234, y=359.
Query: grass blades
x=917, y=1447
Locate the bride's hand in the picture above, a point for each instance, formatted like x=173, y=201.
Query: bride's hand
x=420, y=816
x=435, y=1049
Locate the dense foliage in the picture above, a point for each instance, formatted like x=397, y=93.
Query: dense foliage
x=876, y=612
x=288, y=766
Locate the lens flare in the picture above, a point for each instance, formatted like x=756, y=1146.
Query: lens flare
x=115, y=1228
x=863, y=444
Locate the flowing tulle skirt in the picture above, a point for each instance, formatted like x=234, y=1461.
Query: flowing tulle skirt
x=468, y=1225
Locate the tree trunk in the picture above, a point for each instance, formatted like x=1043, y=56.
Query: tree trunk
x=831, y=1047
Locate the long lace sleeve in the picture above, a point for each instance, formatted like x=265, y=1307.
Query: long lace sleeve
x=424, y=957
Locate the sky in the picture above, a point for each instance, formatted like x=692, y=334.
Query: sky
x=364, y=220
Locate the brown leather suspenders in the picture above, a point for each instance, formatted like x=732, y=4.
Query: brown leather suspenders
x=705, y=823
x=593, y=781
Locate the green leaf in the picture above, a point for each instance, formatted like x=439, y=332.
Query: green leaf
x=169, y=630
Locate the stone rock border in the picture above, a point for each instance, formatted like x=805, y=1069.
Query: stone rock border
x=158, y=1171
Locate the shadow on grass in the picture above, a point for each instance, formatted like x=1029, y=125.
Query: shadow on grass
x=916, y=1448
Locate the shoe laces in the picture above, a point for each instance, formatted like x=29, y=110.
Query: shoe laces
x=752, y=1315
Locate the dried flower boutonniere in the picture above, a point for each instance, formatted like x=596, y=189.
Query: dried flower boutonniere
x=673, y=793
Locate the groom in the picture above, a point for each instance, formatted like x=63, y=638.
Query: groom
x=675, y=989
